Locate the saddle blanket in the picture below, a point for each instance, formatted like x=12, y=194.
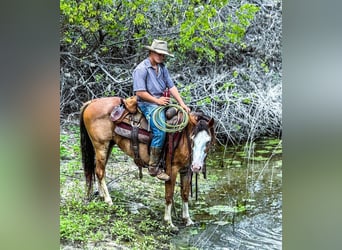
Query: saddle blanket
x=125, y=130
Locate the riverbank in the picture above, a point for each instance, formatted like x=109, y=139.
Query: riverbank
x=135, y=221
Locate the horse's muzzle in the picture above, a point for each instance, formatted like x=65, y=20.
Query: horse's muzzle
x=196, y=168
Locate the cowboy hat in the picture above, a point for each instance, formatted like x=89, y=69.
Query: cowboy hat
x=159, y=47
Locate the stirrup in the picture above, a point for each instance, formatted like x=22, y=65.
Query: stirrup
x=153, y=171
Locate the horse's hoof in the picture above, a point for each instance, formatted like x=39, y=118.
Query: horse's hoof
x=110, y=203
x=174, y=228
x=189, y=222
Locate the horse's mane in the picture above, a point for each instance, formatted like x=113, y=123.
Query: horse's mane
x=202, y=123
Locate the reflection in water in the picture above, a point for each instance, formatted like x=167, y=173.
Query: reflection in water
x=242, y=208
x=261, y=231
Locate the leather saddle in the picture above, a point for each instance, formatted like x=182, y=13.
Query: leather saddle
x=128, y=118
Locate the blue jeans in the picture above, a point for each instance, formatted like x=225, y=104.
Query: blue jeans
x=158, y=136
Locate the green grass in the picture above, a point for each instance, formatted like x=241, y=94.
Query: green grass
x=83, y=222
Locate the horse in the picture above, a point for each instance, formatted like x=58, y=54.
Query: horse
x=98, y=137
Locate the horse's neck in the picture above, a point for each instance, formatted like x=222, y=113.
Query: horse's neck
x=185, y=144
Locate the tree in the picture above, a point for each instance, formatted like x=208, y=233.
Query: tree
x=227, y=56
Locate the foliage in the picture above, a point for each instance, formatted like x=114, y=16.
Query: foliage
x=214, y=210
x=198, y=30
x=209, y=28
x=227, y=57
x=101, y=25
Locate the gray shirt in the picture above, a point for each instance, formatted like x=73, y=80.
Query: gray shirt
x=146, y=79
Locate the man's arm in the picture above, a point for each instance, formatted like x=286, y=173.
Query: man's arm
x=149, y=98
x=174, y=92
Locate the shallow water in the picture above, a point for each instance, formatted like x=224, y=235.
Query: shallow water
x=240, y=204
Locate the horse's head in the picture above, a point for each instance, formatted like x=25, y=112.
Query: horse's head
x=202, y=136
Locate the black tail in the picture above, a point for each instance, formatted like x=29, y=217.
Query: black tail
x=88, y=153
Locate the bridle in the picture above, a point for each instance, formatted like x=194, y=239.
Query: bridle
x=201, y=125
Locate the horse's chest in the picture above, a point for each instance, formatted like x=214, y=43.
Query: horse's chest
x=181, y=157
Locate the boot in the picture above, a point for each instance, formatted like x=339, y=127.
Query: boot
x=153, y=168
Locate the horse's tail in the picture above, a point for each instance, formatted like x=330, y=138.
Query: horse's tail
x=87, y=152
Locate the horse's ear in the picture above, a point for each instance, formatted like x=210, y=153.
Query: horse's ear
x=212, y=130
x=211, y=122
x=193, y=118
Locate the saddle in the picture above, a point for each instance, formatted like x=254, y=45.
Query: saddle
x=130, y=120
x=128, y=117
x=132, y=124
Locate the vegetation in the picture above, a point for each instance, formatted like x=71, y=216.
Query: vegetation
x=83, y=223
x=227, y=57
x=135, y=219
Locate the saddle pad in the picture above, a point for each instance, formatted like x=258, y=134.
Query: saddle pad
x=125, y=130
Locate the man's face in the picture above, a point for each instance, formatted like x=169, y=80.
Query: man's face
x=158, y=58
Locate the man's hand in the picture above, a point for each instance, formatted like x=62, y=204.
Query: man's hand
x=163, y=101
x=186, y=108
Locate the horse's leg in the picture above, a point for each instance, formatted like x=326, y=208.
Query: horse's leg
x=185, y=190
x=169, y=191
x=101, y=161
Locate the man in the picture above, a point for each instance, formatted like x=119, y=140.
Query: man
x=150, y=81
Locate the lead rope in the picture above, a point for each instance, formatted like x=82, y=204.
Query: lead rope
x=196, y=186
x=190, y=173
x=170, y=152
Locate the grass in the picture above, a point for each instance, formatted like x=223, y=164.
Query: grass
x=83, y=223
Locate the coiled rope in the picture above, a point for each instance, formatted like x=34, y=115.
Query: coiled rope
x=166, y=127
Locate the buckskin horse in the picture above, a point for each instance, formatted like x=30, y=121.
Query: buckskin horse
x=98, y=138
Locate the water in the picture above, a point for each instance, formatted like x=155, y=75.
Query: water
x=240, y=203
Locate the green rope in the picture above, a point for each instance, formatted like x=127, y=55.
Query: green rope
x=164, y=126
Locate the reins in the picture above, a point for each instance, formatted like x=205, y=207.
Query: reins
x=177, y=129
x=204, y=171
x=172, y=144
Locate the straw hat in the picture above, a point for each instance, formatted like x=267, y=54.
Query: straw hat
x=159, y=47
